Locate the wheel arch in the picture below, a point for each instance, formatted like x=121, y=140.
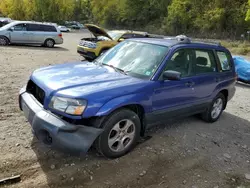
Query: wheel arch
x=136, y=108
x=49, y=38
x=140, y=111
x=5, y=37
x=225, y=93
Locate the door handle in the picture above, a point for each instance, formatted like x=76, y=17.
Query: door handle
x=189, y=84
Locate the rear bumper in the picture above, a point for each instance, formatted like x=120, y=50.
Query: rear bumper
x=85, y=53
x=59, y=40
x=55, y=132
x=231, y=93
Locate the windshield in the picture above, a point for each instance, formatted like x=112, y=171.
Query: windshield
x=7, y=26
x=114, y=35
x=135, y=58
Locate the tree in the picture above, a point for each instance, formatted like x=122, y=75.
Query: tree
x=248, y=12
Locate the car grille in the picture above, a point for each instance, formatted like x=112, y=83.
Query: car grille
x=36, y=91
x=87, y=44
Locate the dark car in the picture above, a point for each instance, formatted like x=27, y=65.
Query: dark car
x=139, y=83
x=4, y=21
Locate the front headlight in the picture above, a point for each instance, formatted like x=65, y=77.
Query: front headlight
x=69, y=106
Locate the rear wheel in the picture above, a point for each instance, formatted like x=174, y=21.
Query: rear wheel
x=4, y=41
x=49, y=43
x=120, y=135
x=215, y=109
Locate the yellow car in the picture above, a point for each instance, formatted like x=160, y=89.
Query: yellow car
x=90, y=48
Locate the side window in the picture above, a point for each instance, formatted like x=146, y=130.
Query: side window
x=48, y=28
x=224, y=61
x=20, y=27
x=204, y=62
x=181, y=62
x=33, y=27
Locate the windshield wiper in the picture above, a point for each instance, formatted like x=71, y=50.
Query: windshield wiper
x=115, y=68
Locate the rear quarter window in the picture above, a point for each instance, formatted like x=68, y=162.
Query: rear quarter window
x=48, y=28
x=224, y=60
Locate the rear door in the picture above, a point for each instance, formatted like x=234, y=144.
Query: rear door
x=36, y=34
x=206, y=76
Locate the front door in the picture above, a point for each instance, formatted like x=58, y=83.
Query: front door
x=19, y=34
x=174, y=98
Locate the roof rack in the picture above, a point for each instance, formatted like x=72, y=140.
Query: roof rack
x=206, y=42
x=181, y=39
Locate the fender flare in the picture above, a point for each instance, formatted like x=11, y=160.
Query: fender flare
x=119, y=102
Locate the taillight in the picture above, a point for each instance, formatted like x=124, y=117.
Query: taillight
x=60, y=35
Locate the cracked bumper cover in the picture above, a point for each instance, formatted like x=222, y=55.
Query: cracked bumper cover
x=63, y=135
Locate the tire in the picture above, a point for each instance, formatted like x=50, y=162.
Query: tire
x=88, y=59
x=215, y=109
x=4, y=41
x=103, y=52
x=50, y=43
x=120, y=135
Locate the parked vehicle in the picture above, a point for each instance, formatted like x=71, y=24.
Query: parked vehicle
x=26, y=32
x=242, y=67
x=91, y=48
x=74, y=25
x=63, y=28
x=137, y=84
x=77, y=27
x=4, y=21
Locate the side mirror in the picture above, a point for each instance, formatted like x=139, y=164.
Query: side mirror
x=171, y=75
x=11, y=29
x=121, y=39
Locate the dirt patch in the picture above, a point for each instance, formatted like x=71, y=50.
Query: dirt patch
x=183, y=153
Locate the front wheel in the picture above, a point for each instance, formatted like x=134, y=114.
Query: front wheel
x=120, y=135
x=4, y=41
x=215, y=109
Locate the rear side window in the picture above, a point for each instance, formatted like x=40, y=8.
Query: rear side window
x=48, y=28
x=33, y=27
x=204, y=62
x=224, y=61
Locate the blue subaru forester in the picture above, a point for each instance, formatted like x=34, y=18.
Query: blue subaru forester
x=109, y=103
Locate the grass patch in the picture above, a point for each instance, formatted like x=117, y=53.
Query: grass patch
x=237, y=47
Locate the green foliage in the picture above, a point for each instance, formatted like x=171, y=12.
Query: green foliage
x=46, y=10
x=200, y=18
x=237, y=47
x=248, y=12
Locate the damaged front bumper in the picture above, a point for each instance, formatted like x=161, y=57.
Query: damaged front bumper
x=55, y=132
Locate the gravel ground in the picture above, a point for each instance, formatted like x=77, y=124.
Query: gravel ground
x=182, y=153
